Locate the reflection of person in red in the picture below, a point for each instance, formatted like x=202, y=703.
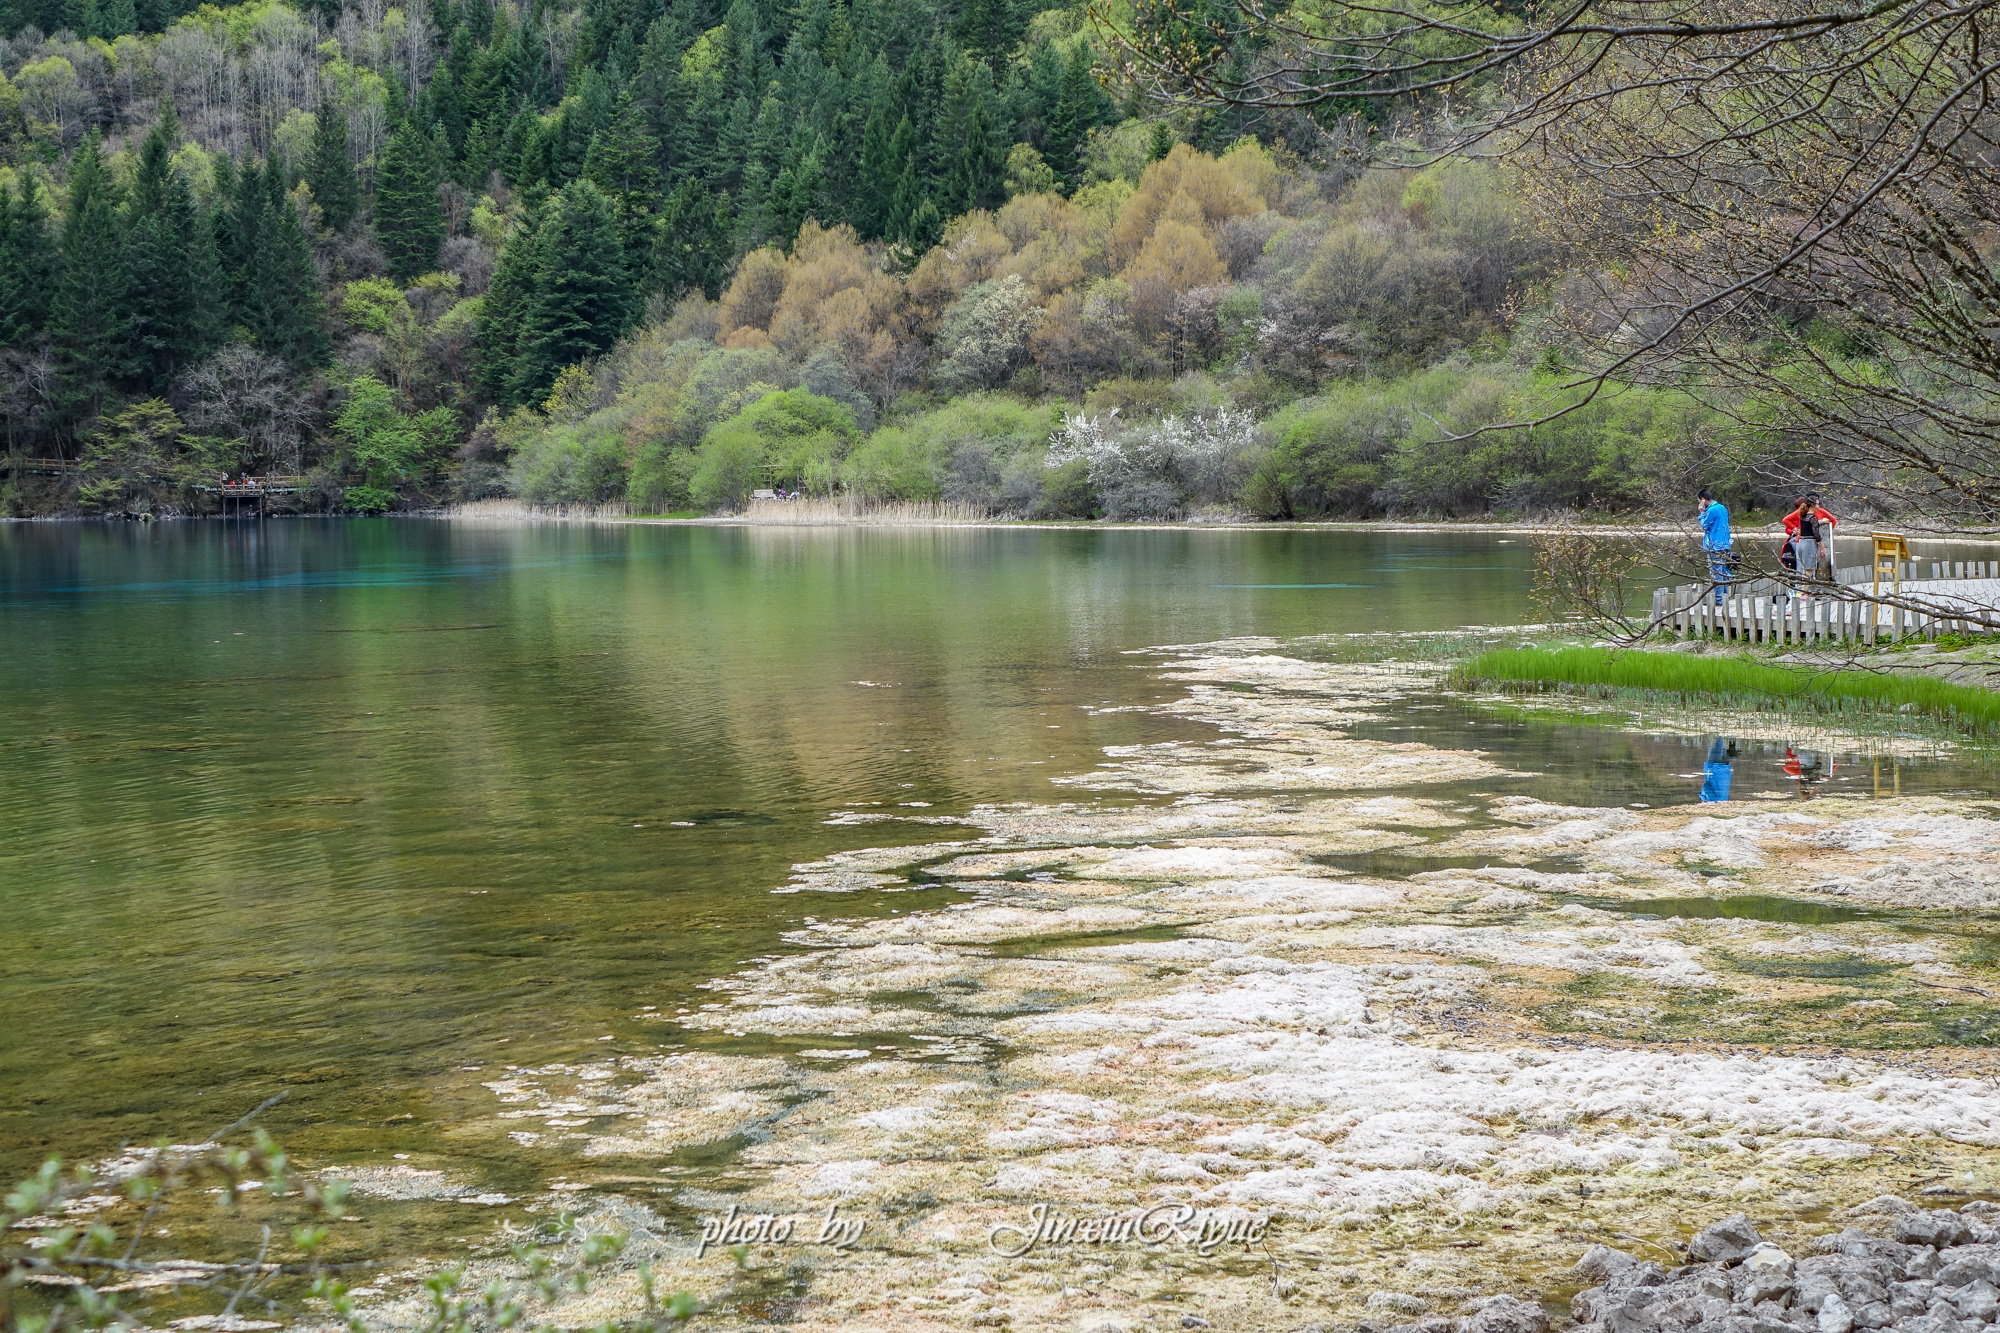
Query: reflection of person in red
x=1808, y=769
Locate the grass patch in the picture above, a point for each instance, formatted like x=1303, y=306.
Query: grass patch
x=1733, y=681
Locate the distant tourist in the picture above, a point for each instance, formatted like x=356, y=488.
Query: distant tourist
x=1715, y=540
x=1809, y=528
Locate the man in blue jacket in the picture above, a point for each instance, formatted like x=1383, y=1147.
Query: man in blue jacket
x=1715, y=540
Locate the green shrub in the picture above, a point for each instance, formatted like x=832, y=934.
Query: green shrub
x=728, y=466
x=571, y=465
x=960, y=452
x=662, y=480
x=794, y=437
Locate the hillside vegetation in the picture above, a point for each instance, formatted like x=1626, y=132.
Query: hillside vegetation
x=666, y=256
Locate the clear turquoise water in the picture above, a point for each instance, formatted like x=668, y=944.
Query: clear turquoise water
x=340, y=807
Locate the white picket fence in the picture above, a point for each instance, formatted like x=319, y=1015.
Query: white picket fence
x=1958, y=597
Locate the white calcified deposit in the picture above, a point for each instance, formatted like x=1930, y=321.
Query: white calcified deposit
x=1430, y=1090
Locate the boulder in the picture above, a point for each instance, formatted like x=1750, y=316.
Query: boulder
x=1939, y=1229
x=1977, y=1300
x=1505, y=1314
x=1960, y=1269
x=1728, y=1241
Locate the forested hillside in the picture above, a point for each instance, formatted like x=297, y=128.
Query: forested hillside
x=666, y=255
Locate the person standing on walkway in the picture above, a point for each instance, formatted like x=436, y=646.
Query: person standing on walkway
x=1810, y=522
x=1802, y=534
x=1715, y=540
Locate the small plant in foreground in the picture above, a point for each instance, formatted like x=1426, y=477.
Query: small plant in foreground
x=90, y=1243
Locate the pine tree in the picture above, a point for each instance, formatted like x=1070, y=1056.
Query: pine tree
x=330, y=170
x=987, y=29
x=972, y=162
x=409, y=219
x=172, y=318
x=284, y=309
x=795, y=195
x=695, y=242
x=501, y=311
x=1071, y=123
x=238, y=232
x=582, y=299
x=27, y=267
x=208, y=316
x=88, y=320
x=908, y=194
x=879, y=170
x=624, y=164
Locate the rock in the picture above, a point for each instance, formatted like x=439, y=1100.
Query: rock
x=1960, y=1269
x=1766, y=1274
x=1759, y=1287
x=1731, y=1239
x=1189, y=1321
x=1834, y=1316
x=1505, y=1314
x=1976, y=1300
x=1768, y=1258
x=1630, y=1317
x=1813, y=1287
x=1617, y=1270
x=1939, y=1229
x=1922, y=1263
x=1712, y=1283
x=1880, y=1206
x=1875, y=1314
x=1910, y=1299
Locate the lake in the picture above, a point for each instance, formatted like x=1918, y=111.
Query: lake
x=349, y=808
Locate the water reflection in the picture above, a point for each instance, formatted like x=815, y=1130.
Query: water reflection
x=1808, y=768
x=1717, y=771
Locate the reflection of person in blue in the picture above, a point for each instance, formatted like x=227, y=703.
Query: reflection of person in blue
x=1716, y=772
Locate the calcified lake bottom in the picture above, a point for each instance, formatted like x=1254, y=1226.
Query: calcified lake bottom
x=1424, y=1042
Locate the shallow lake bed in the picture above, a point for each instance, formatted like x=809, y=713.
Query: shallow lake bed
x=593, y=923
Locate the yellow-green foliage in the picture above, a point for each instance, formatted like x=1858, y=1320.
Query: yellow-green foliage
x=976, y=435
x=791, y=438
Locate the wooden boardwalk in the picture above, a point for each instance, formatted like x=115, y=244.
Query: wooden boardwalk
x=1959, y=597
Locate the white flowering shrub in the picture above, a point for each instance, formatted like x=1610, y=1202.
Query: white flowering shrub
x=985, y=335
x=1161, y=468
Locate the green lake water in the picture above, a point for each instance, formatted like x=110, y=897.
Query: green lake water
x=345, y=808
x=342, y=807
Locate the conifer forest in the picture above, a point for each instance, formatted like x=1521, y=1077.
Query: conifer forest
x=664, y=255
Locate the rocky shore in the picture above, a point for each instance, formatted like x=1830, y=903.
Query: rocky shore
x=1916, y=1271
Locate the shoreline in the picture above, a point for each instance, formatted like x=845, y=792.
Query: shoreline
x=525, y=516
x=1430, y=1086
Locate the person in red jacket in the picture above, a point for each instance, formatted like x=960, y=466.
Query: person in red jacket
x=1809, y=532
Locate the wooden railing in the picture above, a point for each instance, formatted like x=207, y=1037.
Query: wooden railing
x=1765, y=610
